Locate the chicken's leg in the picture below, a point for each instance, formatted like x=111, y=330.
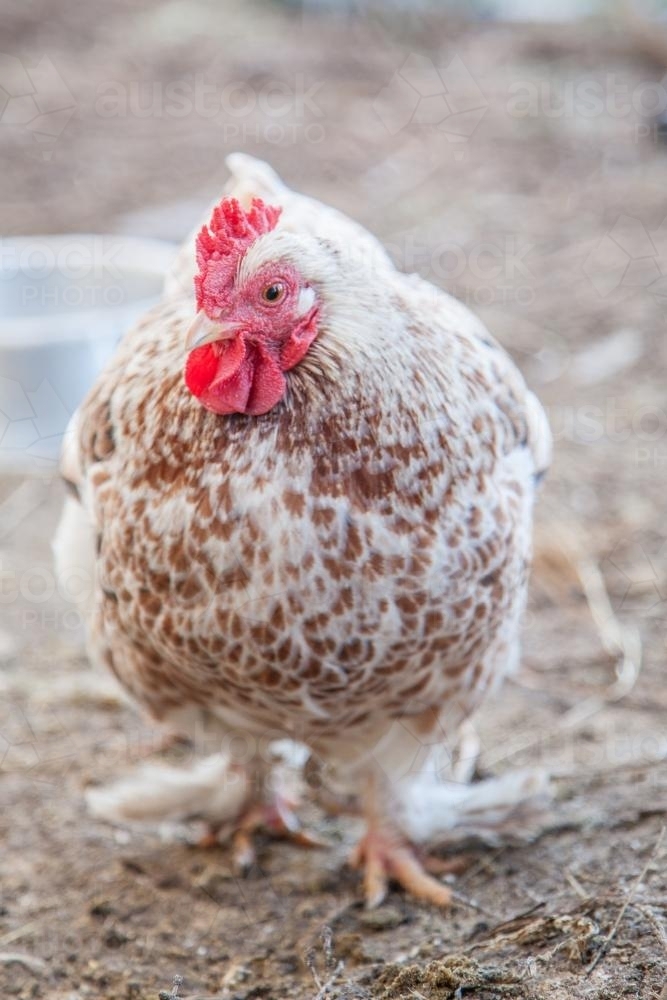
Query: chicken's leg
x=384, y=853
x=269, y=807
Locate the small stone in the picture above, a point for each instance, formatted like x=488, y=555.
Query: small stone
x=115, y=939
x=351, y=947
x=381, y=919
x=236, y=975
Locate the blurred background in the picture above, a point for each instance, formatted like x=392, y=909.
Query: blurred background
x=513, y=152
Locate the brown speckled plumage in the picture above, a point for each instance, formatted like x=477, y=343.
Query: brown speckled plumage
x=356, y=555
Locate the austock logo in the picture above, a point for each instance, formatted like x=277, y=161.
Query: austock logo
x=638, y=569
x=446, y=98
x=39, y=747
x=32, y=423
x=629, y=259
x=36, y=99
x=276, y=111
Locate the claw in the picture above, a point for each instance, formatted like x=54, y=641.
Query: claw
x=384, y=857
x=243, y=851
x=277, y=817
x=281, y=820
x=303, y=838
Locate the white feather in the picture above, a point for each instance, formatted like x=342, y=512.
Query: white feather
x=211, y=790
x=306, y=301
x=252, y=178
x=74, y=555
x=431, y=811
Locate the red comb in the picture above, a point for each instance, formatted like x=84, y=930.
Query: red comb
x=220, y=244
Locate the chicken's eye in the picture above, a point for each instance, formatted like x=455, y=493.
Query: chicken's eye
x=274, y=293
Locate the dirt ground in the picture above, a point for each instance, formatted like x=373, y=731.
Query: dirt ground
x=537, y=194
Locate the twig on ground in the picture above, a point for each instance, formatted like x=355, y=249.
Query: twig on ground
x=604, y=948
x=576, y=884
x=660, y=932
x=173, y=993
x=30, y=962
x=19, y=932
x=466, y=901
x=620, y=642
x=507, y=925
x=334, y=969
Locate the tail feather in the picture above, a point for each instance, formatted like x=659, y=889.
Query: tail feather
x=512, y=805
x=210, y=790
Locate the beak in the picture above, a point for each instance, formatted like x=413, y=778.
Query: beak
x=207, y=331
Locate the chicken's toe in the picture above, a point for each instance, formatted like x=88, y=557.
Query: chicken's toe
x=276, y=817
x=387, y=856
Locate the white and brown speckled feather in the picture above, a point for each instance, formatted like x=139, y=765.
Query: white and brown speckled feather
x=356, y=555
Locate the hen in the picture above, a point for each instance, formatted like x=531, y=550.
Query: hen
x=310, y=497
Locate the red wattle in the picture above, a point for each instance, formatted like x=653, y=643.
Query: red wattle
x=231, y=355
x=230, y=395
x=268, y=386
x=234, y=377
x=220, y=375
x=200, y=369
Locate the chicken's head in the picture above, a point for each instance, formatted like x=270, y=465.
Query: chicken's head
x=257, y=314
